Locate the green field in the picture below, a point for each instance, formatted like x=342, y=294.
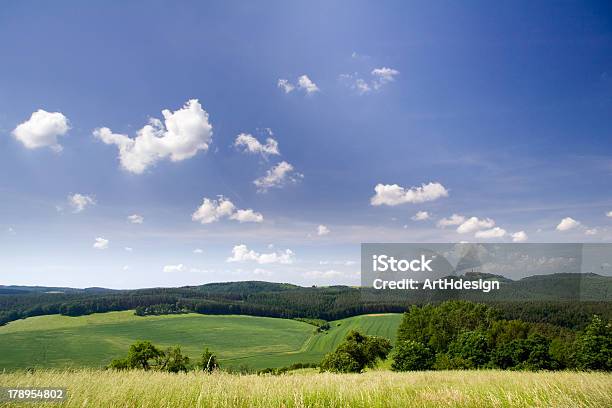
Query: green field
x=373, y=389
x=256, y=342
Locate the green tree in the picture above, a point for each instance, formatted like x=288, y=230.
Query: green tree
x=173, y=361
x=356, y=352
x=143, y=355
x=208, y=361
x=594, y=346
x=411, y=355
x=471, y=346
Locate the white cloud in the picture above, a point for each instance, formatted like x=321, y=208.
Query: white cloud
x=277, y=176
x=241, y=253
x=252, y=145
x=126, y=267
x=101, y=243
x=362, y=86
x=214, y=210
x=383, y=76
x=11, y=231
x=609, y=214
x=198, y=251
x=454, y=219
x=80, y=201
x=591, y=231
x=182, y=134
x=135, y=219
x=567, y=224
x=42, y=130
x=491, y=233
x=128, y=249
x=519, y=236
x=322, y=230
x=474, y=224
x=392, y=194
x=174, y=268
x=307, y=85
x=246, y=216
x=285, y=85
x=420, y=216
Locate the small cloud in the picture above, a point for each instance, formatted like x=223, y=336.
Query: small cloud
x=491, y=233
x=246, y=216
x=392, y=194
x=250, y=144
x=567, y=224
x=11, y=231
x=285, y=85
x=609, y=214
x=307, y=85
x=214, y=210
x=519, y=236
x=79, y=202
x=474, y=224
x=42, y=130
x=135, y=219
x=198, y=251
x=383, y=76
x=277, y=177
x=304, y=83
x=174, y=268
x=421, y=216
x=453, y=220
x=101, y=243
x=591, y=231
x=128, y=249
x=241, y=253
x=322, y=230
x=125, y=267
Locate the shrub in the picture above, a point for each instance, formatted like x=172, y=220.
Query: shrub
x=412, y=355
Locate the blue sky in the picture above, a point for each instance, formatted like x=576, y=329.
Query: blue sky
x=504, y=108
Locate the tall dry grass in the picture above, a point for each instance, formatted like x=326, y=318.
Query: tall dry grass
x=90, y=388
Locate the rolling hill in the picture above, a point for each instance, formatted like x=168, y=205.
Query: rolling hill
x=256, y=342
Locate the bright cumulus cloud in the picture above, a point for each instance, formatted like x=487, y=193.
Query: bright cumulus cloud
x=474, y=224
x=135, y=219
x=214, y=210
x=322, y=230
x=519, y=236
x=420, y=216
x=174, y=268
x=250, y=144
x=42, y=130
x=285, y=85
x=79, y=202
x=392, y=194
x=491, y=233
x=241, y=253
x=180, y=136
x=278, y=176
x=567, y=224
x=101, y=243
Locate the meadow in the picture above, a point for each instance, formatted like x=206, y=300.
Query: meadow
x=307, y=389
x=56, y=341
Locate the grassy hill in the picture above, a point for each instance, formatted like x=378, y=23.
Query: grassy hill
x=257, y=342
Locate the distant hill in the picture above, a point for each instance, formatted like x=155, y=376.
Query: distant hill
x=570, y=298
